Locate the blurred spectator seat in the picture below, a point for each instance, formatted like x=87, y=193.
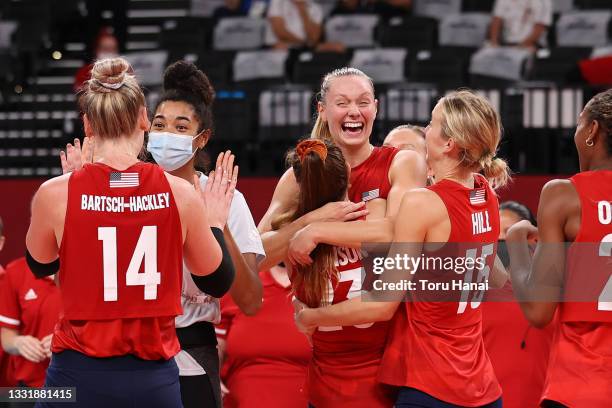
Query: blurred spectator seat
x=485, y=6
x=597, y=70
x=232, y=112
x=148, y=66
x=217, y=65
x=436, y=8
x=447, y=67
x=558, y=64
x=550, y=107
x=406, y=103
x=583, y=28
x=239, y=33
x=592, y=4
x=310, y=67
x=285, y=112
x=258, y=65
x=500, y=62
x=414, y=33
x=352, y=30
x=464, y=30
x=7, y=29
x=204, y=8
x=561, y=6
x=184, y=35
x=383, y=65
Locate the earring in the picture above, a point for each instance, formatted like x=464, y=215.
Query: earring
x=589, y=142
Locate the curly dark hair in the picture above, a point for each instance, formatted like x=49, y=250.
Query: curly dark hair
x=599, y=108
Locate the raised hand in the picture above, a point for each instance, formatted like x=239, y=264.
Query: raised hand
x=522, y=231
x=219, y=190
x=339, y=211
x=30, y=348
x=300, y=310
x=76, y=155
x=46, y=344
x=301, y=246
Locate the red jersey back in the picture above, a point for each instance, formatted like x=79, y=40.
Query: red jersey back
x=580, y=366
x=345, y=359
x=437, y=347
x=121, y=262
x=370, y=179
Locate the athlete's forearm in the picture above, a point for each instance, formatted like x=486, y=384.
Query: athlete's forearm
x=520, y=267
x=246, y=291
x=352, y=234
x=7, y=338
x=219, y=282
x=349, y=313
x=276, y=243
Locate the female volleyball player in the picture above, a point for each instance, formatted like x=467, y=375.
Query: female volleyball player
x=121, y=229
x=578, y=210
x=345, y=360
x=379, y=175
x=435, y=352
x=181, y=127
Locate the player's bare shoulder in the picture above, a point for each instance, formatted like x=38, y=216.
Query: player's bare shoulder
x=183, y=191
x=53, y=192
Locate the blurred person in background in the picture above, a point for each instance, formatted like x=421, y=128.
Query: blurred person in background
x=390, y=8
x=5, y=378
x=385, y=8
x=95, y=22
x=265, y=351
x=29, y=310
x=297, y=24
x=231, y=8
x=520, y=22
x=106, y=45
x=347, y=7
x=518, y=351
x=407, y=137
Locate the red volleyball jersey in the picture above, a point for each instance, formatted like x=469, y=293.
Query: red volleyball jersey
x=437, y=347
x=121, y=263
x=6, y=380
x=370, y=179
x=32, y=307
x=345, y=359
x=580, y=366
x=267, y=358
x=518, y=351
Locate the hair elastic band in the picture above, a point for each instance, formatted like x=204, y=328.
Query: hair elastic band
x=311, y=145
x=108, y=85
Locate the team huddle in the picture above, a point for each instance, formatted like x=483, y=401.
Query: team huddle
x=143, y=250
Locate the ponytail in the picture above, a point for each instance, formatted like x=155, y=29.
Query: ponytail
x=496, y=171
x=321, y=131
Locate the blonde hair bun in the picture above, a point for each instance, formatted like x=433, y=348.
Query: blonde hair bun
x=109, y=75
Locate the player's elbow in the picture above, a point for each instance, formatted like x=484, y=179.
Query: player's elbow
x=251, y=306
x=538, y=314
x=382, y=311
x=249, y=298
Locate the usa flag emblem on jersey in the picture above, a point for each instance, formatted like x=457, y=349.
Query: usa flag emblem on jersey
x=119, y=179
x=370, y=195
x=477, y=196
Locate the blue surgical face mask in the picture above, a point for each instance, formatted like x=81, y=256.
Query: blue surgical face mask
x=169, y=150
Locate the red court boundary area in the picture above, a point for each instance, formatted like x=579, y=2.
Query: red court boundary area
x=16, y=195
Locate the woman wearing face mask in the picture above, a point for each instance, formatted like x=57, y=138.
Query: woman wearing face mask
x=181, y=127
